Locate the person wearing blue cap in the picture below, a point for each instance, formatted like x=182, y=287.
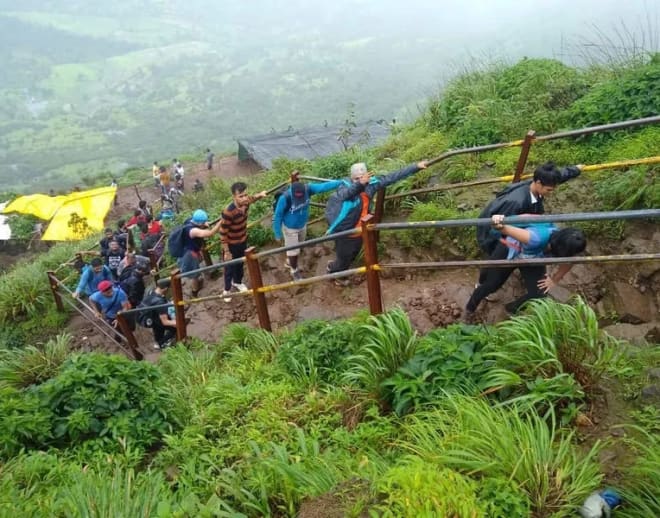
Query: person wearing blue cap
x=194, y=234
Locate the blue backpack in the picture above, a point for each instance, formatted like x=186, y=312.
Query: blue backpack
x=176, y=242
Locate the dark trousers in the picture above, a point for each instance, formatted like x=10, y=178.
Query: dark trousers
x=234, y=272
x=492, y=279
x=162, y=333
x=346, y=250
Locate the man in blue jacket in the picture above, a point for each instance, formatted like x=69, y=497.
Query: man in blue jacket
x=292, y=214
x=92, y=274
x=350, y=203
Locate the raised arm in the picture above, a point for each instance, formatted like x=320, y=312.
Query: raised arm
x=318, y=188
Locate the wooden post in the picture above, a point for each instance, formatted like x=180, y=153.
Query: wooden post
x=371, y=259
x=179, y=309
x=130, y=337
x=52, y=280
x=524, y=153
x=257, y=282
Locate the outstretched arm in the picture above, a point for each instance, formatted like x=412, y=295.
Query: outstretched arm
x=318, y=188
x=548, y=282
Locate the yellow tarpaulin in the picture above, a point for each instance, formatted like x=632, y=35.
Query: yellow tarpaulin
x=73, y=217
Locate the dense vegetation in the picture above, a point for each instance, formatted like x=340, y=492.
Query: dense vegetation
x=363, y=416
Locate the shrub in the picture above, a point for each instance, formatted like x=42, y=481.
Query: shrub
x=470, y=436
x=102, y=399
x=317, y=351
x=386, y=342
x=20, y=368
x=632, y=95
x=640, y=488
x=549, y=356
x=447, y=361
x=417, y=488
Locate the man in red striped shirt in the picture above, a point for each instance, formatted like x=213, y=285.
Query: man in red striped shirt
x=233, y=235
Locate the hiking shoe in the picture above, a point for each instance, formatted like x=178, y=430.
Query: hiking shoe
x=157, y=347
x=469, y=317
x=296, y=275
x=240, y=286
x=224, y=294
x=489, y=298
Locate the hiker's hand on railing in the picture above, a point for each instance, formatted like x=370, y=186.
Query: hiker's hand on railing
x=261, y=194
x=75, y=294
x=423, y=164
x=497, y=220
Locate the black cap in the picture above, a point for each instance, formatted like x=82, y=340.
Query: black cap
x=298, y=189
x=163, y=284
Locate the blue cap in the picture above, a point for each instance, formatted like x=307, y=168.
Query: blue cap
x=199, y=217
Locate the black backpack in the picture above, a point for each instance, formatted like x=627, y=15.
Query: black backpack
x=146, y=316
x=286, y=191
x=176, y=242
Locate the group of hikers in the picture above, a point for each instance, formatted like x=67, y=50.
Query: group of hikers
x=349, y=201
x=171, y=185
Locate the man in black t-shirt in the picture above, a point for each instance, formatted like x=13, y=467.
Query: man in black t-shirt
x=164, y=327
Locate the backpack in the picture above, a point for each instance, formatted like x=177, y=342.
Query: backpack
x=176, y=242
x=146, y=316
x=333, y=207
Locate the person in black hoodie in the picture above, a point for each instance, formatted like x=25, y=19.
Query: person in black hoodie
x=518, y=198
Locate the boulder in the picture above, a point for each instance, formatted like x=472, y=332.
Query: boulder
x=640, y=334
x=632, y=306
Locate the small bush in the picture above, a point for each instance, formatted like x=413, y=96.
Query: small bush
x=632, y=95
x=20, y=368
x=316, y=350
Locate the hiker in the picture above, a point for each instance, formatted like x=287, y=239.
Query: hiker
x=233, y=235
x=292, y=214
x=167, y=208
x=209, y=159
x=104, y=243
x=145, y=209
x=162, y=325
x=531, y=240
x=109, y=300
x=115, y=200
x=154, y=226
x=155, y=174
x=132, y=283
x=123, y=235
x=194, y=233
x=347, y=206
x=130, y=261
x=113, y=256
x=520, y=198
x=198, y=186
x=90, y=277
x=164, y=177
x=179, y=175
x=137, y=217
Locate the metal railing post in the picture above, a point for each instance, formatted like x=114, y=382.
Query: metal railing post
x=179, y=308
x=52, y=280
x=126, y=330
x=371, y=262
x=257, y=282
x=524, y=153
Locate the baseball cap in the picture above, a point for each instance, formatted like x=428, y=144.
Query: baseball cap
x=163, y=284
x=104, y=285
x=199, y=217
x=298, y=189
x=358, y=169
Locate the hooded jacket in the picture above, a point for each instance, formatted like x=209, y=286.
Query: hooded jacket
x=349, y=194
x=296, y=215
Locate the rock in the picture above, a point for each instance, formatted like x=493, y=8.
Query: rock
x=654, y=374
x=651, y=394
x=631, y=306
x=641, y=334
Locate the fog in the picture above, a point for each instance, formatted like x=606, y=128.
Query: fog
x=91, y=87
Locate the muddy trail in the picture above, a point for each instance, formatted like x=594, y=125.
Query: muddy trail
x=625, y=294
